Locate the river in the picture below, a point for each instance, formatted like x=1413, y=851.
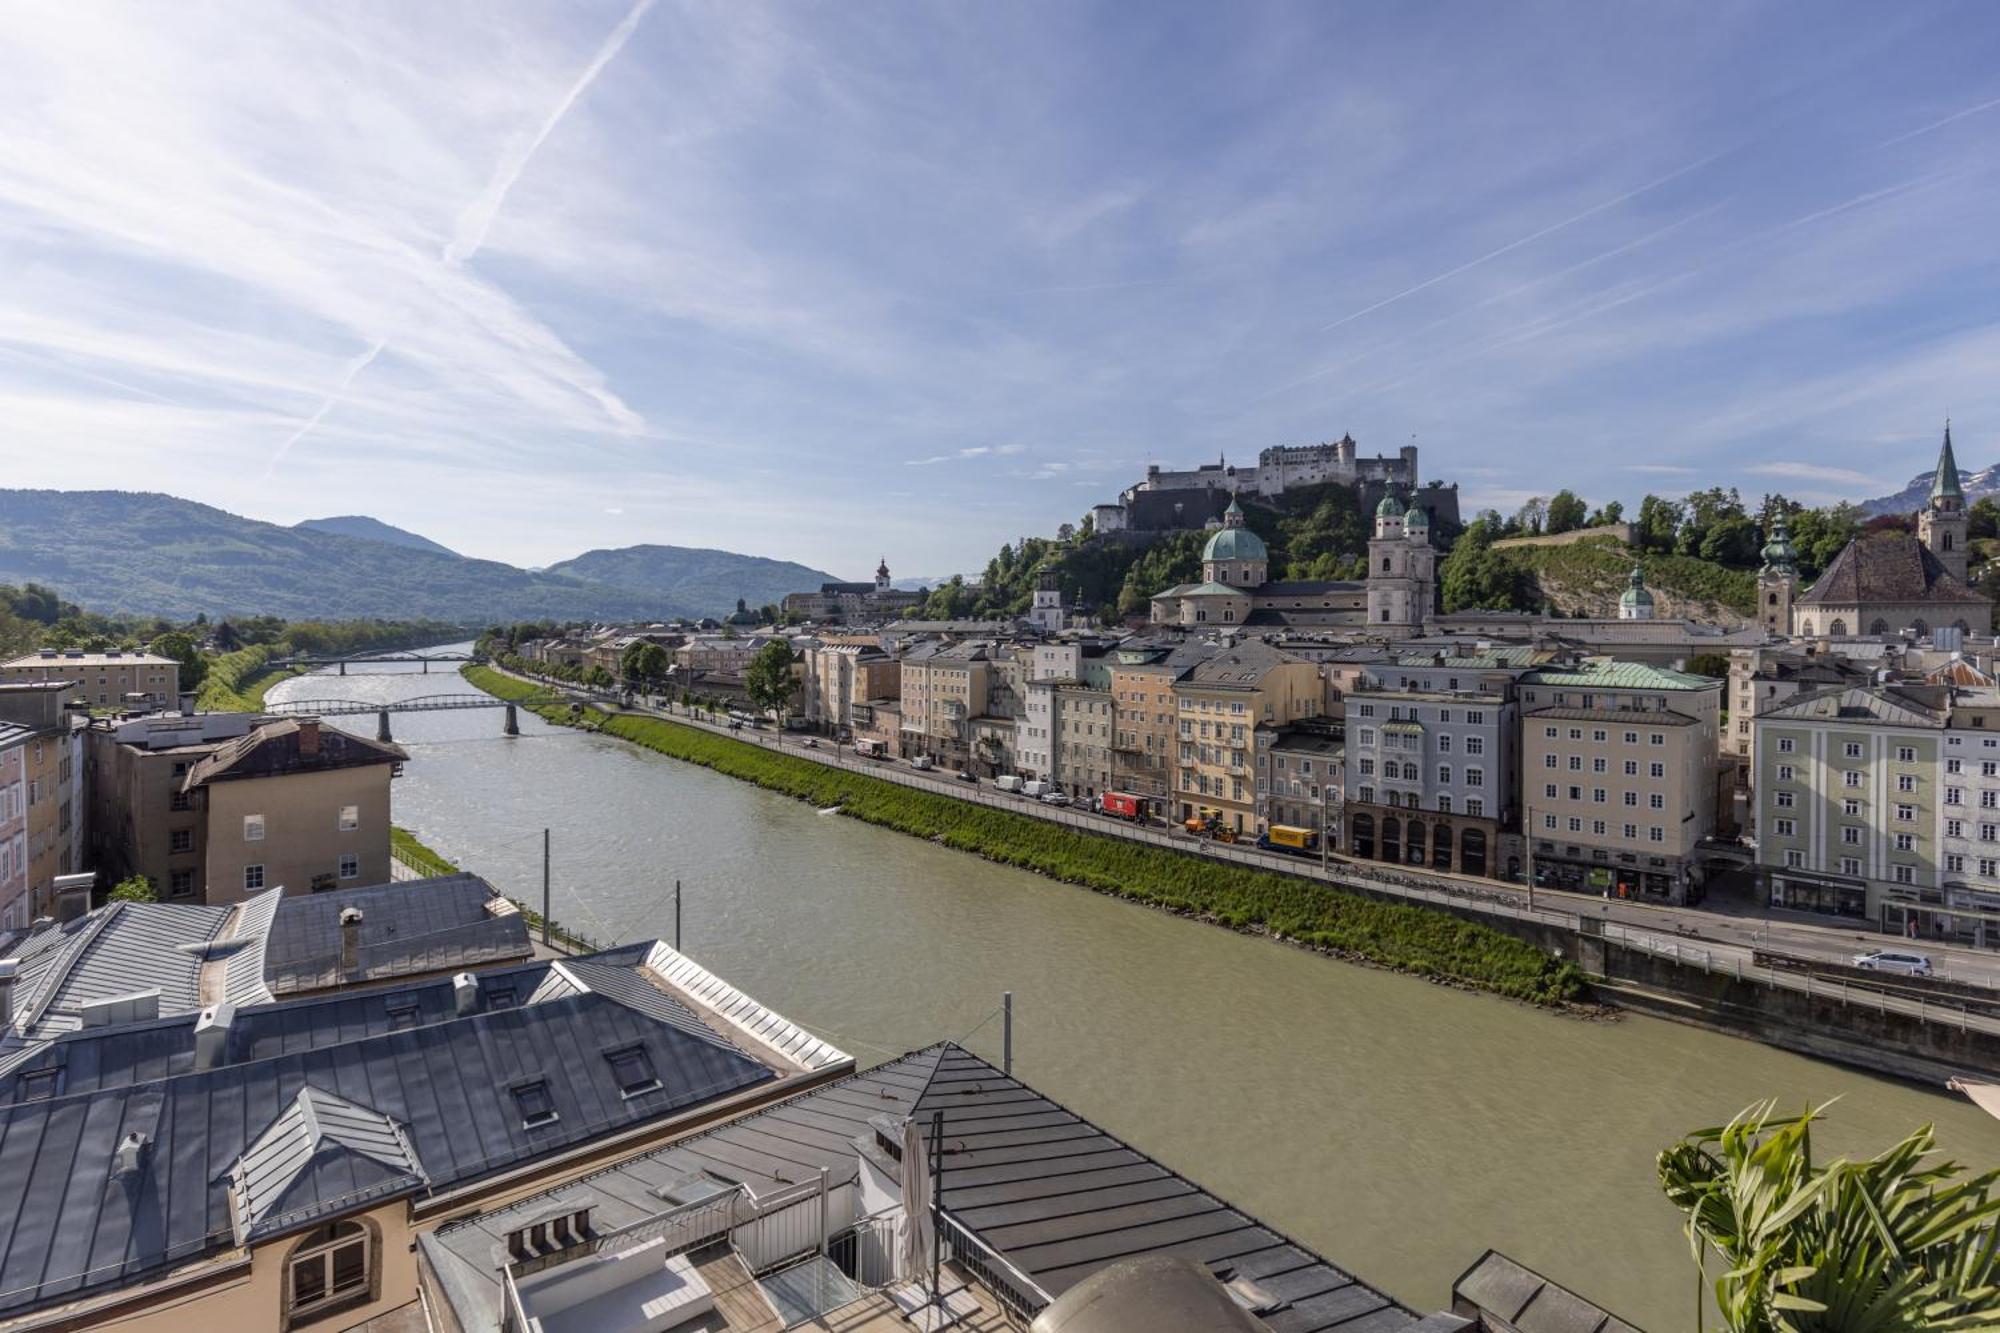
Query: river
x=1398, y=1127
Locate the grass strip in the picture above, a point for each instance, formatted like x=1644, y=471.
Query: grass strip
x=1394, y=935
x=405, y=847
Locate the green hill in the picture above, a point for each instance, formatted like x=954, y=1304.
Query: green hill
x=709, y=581
x=1585, y=579
x=125, y=551
x=374, y=529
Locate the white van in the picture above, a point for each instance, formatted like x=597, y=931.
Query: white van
x=922, y=763
x=1008, y=782
x=1037, y=789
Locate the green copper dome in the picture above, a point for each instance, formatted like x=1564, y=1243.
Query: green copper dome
x=1779, y=558
x=1416, y=518
x=1233, y=541
x=1636, y=594
x=1390, y=507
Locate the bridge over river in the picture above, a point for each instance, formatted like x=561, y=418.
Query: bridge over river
x=510, y=724
x=340, y=664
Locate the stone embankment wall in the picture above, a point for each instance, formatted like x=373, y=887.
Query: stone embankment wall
x=1621, y=531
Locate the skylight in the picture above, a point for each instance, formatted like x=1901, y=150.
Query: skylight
x=633, y=1068
x=538, y=1108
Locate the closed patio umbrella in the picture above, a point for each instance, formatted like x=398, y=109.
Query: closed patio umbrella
x=913, y=1233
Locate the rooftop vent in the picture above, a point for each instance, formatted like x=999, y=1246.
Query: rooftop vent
x=130, y=1156
x=211, y=1035
x=138, y=1007
x=350, y=938
x=548, y=1232
x=465, y=993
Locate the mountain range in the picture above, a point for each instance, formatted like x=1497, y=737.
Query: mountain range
x=1984, y=482
x=151, y=554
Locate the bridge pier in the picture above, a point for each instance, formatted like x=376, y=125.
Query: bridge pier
x=512, y=725
x=382, y=726
x=343, y=668
x=427, y=666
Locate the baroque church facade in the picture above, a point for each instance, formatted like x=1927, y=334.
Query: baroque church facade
x=1236, y=588
x=1883, y=583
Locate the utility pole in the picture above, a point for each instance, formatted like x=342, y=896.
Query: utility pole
x=545, y=888
x=677, y=916
x=1007, y=1033
x=1325, y=832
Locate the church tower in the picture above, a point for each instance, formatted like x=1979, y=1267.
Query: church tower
x=882, y=575
x=1047, y=612
x=1402, y=568
x=1778, y=580
x=1941, y=524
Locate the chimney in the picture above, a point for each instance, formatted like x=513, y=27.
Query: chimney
x=465, y=993
x=211, y=1035
x=73, y=894
x=350, y=940
x=309, y=738
x=8, y=967
x=187, y=702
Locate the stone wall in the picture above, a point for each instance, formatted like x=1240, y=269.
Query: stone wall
x=1621, y=531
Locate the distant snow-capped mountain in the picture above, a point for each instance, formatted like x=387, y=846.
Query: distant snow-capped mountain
x=1911, y=498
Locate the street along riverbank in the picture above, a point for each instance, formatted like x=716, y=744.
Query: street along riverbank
x=1407, y=939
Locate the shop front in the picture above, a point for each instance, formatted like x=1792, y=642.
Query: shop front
x=1825, y=896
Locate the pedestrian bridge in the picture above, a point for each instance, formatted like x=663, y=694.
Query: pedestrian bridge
x=423, y=703
x=342, y=663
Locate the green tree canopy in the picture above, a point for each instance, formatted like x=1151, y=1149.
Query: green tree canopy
x=1475, y=576
x=136, y=889
x=768, y=678
x=644, y=663
x=1566, y=512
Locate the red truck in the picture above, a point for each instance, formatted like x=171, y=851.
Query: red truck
x=1121, y=805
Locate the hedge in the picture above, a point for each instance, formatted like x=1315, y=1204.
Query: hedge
x=1395, y=935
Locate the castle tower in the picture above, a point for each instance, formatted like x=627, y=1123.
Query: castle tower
x=882, y=575
x=1635, y=603
x=1402, y=568
x=1941, y=523
x=1777, y=581
x=1235, y=556
x=1047, y=612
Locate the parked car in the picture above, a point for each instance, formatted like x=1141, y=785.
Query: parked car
x=812, y=743
x=1884, y=960
x=967, y=775
x=1054, y=798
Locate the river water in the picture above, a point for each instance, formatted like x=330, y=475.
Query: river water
x=1398, y=1127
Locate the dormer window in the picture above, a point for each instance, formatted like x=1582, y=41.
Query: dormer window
x=633, y=1068
x=537, y=1107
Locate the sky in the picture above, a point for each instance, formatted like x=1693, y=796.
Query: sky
x=832, y=282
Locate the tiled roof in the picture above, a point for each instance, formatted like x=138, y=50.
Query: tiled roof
x=1627, y=717
x=1887, y=567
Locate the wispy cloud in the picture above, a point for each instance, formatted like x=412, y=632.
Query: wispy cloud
x=1818, y=472
x=1659, y=469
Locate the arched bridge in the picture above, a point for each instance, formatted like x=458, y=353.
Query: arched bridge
x=424, y=703
x=406, y=655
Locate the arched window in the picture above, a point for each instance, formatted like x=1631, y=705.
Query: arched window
x=1838, y=629
x=1880, y=626
x=1806, y=628
x=1413, y=843
x=1363, y=836
x=1385, y=564
x=1392, y=838
x=332, y=1268
x=1441, y=847
x=1472, y=852
x=1947, y=540
x=1771, y=599
x=1920, y=627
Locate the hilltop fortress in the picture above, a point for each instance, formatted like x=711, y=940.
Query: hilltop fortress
x=1169, y=500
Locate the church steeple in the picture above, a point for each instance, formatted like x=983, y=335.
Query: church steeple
x=1779, y=557
x=1946, y=486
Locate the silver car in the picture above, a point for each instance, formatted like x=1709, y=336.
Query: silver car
x=1884, y=960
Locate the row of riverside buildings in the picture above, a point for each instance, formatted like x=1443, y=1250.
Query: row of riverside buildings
x=1856, y=774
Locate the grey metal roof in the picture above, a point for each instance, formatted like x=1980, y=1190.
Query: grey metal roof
x=427, y=925
x=321, y=1148
x=1055, y=1195
x=1882, y=705
x=1525, y=1300
x=243, y=978
x=119, y=949
x=69, y=1226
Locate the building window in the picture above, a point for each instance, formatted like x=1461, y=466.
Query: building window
x=1954, y=828
x=1474, y=744
x=1954, y=796
x=1852, y=749
x=181, y=840
x=253, y=878
x=1475, y=777
x=1850, y=835
x=1474, y=806
x=1852, y=777
x=329, y=1271
x=253, y=828
x=1548, y=761
x=1905, y=782
x=1794, y=858
x=350, y=818
x=1905, y=875
x=350, y=865
x=1786, y=745
x=180, y=800
x=1657, y=801
x=1786, y=773
x=633, y=1069
x=1656, y=834
x=1954, y=863
x=1905, y=813
x=1906, y=754
x=1986, y=865
x=1850, y=806
x=1906, y=842
x=180, y=883
x=1783, y=800
x=1850, y=865
x=1550, y=791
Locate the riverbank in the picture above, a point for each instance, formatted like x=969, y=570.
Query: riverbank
x=1403, y=938
x=237, y=682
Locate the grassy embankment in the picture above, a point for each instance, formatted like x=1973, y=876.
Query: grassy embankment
x=1408, y=939
x=237, y=681
x=1598, y=569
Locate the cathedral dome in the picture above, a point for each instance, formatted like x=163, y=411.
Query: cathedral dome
x=1235, y=544
x=1416, y=519
x=1390, y=507
x=1636, y=594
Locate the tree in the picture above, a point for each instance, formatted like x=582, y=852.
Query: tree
x=768, y=678
x=136, y=889
x=1566, y=512
x=1889, y=1242
x=598, y=678
x=1983, y=519
x=1531, y=515
x=1659, y=521
x=1477, y=576
x=644, y=663
x=1715, y=665
x=179, y=645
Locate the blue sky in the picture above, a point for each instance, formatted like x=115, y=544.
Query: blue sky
x=834, y=281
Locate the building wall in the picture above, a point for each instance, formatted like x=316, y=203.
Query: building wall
x=1215, y=758
x=1085, y=720
x=1142, y=753
x=104, y=682
x=1807, y=803
x=1889, y=618
x=135, y=816
x=303, y=841
x=49, y=818
x=16, y=910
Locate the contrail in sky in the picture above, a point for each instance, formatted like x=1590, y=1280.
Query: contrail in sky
x=1511, y=246
x=1940, y=124
x=478, y=218
x=354, y=368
